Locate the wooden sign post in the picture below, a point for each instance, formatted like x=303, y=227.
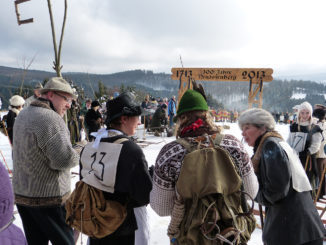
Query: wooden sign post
x=255, y=77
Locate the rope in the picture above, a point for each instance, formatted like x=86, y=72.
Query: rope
x=81, y=224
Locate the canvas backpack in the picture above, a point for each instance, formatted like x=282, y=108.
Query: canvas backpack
x=215, y=208
x=90, y=213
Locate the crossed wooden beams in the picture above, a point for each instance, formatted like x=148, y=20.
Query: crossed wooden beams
x=20, y=22
x=255, y=77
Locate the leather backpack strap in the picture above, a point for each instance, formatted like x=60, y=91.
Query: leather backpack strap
x=185, y=144
x=119, y=141
x=218, y=139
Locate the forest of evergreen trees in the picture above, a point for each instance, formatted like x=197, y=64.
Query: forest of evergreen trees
x=277, y=95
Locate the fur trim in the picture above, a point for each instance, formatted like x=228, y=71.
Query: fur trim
x=15, y=110
x=257, y=116
x=16, y=100
x=42, y=103
x=256, y=157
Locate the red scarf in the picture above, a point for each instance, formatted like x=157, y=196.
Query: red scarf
x=192, y=127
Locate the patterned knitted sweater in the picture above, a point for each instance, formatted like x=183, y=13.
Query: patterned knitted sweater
x=42, y=156
x=168, y=165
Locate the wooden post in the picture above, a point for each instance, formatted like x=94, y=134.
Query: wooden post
x=253, y=91
x=20, y=22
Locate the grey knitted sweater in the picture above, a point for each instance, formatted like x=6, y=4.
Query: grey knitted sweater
x=42, y=156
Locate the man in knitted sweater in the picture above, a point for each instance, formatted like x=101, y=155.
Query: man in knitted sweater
x=42, y=158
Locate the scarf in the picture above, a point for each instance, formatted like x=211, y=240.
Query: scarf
x=15, y=110
x=192, y=127
x=256, y=157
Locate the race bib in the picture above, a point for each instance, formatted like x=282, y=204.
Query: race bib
x=100, y=165
x=298, y=141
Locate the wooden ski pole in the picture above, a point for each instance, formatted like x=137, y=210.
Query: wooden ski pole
x=320, y=184
x=307, y=161
x=9, y=171
x=261, y=216
x=6, y=131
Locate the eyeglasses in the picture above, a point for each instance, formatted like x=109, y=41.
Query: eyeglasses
x=68, y=100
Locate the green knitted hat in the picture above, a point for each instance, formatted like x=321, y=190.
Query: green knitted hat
x=192, y=101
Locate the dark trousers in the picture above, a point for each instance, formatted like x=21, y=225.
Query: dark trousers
x=44, y=224
x=315, y=242
x=114, y=240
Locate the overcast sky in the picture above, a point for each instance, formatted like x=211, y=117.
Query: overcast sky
x=107, y=36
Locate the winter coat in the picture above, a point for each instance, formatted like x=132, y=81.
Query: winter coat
x=163, y=198
x=171, y=108
x=321, y=152
x=133, y=182
x=91, y=119
x=42, y=156
x=159, y=118
x=10, y=234
x=10, y=120
x=291, y=217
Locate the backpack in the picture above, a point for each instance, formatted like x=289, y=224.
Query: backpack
x=90, y=213
x=216, y=211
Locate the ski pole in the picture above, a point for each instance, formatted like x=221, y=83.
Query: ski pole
x=307, y=161
x=320, y=184
x=9, y=171
x=6, y=131
x=261, y=216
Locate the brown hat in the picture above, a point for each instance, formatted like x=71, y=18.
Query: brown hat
x=58, y=84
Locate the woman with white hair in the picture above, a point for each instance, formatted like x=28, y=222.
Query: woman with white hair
x=291, y=217
x=16, y=105
x=305, y=138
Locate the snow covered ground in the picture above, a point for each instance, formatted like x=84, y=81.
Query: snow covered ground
x=158, y=225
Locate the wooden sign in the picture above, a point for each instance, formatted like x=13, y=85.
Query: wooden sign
x=254, y=75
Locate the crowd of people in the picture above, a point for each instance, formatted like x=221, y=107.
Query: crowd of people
x=201, y=179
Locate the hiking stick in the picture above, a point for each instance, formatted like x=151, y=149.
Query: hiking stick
x=261, y=216
x=320, y=184
x=6, y=131
x=9, y=171
x=307, y=161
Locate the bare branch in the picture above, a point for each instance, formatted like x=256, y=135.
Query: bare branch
x=54, y=40
x=62, y=32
